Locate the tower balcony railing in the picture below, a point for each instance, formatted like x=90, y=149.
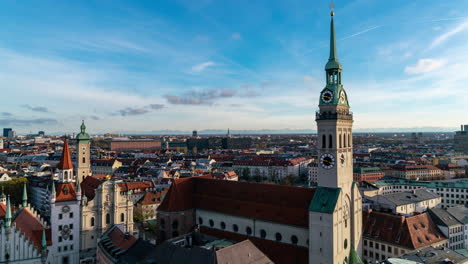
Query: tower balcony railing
x=333, y=116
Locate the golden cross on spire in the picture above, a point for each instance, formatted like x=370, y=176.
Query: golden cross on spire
x=332, y=6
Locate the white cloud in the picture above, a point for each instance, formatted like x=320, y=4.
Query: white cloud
x=425, y=65
x=307, y=78
x=447, y=35
x=236, y=35
x=202, y=66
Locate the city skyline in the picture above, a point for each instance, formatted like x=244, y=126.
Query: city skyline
x=184, y=66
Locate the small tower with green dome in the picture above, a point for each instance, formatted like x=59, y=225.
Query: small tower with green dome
x=83, y=163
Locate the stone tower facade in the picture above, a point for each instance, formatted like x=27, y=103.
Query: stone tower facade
x=83, y=162
x=65, y=213
x=336, y=212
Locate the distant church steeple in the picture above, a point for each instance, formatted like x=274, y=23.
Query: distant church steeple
x=65, y=166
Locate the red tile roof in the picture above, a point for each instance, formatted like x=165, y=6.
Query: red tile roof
x=153, y=197
x=279, y=253
x=411, y=232
x=89, y=185
x=65, y=162
x=120, y=240
x=2, y=210
x=276, y=203
x=32, y=228
x=140, y=185
x=65, y=192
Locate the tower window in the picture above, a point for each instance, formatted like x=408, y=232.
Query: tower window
x=330, y=143
x=84, y=160
x=324, y=141
x=92, y=221
x=349, y=140
x=107, y=218
x=122, y=217
x=341, y=145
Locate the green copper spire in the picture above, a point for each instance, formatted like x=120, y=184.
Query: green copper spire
x=44, y=239
x=8, y=213
x=82, y=136
x=354, y=257
x=333, y=62
x=25, y=196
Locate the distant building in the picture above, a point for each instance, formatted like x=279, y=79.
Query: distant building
x=105, y=166
x=453, y=193
x=461, y=140
x=405, y=203
x=430, y=255
x=415, y=172
x=369, y=174
x=453, y=229
x=389, y=236
x=7, y=132
x=135, y=145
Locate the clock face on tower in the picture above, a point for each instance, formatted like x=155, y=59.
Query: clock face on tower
x=327, y=96
x=327, y=161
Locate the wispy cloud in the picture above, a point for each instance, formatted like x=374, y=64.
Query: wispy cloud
x=7, y=114
x=28, y=122
x=425, y=65
x=202, y=66
x=206, y=97
x=133, y=111
x=449, y=34
x=41, y=109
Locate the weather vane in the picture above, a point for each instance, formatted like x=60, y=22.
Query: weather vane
x=332, y=6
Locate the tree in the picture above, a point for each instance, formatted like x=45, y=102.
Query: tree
x=14, y=188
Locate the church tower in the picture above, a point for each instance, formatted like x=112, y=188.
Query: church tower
x=65, y=213
x=83, y=162
x=335, y=217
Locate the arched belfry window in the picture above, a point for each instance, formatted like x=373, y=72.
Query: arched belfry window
x=330, y=143
x=349, y=140
x=324, y=141
x=341, y=144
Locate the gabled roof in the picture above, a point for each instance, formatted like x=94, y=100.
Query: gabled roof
x=275, y=203
x=411, y=232
x=325, y=199
x=32, y=228
x=65, y=161
x=244, y=252
x=153, y=197
x=65, y=192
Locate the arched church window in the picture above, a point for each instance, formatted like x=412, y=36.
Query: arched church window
x=122, y=217
x=223, y=225
x=92, y=221
x=345, y=243
x=107, y=218
x=211, y=222
x=262, y=233
x=330, y=142
x=235, y=228
x=248, y=230
x=84, y=160
x=324, y=141
x=344, y=141
x=200, y=220
x=349, y=140
x=341, y=145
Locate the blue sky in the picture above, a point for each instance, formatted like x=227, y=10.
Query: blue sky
x=206, y=64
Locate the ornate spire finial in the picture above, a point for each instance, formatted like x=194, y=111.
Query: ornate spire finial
x=82, y=127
